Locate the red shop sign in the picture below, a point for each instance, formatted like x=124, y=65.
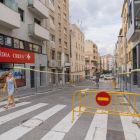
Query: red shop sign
x=16, y=56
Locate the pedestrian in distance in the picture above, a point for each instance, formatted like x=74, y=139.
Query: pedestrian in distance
x=9, y=85
x=97, y=81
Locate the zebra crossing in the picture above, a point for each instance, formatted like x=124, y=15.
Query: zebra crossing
x=97, y=130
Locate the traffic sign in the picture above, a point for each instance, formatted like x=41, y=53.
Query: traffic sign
x=103, y=99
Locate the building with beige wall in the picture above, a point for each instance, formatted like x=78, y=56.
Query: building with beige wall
x=77, y=52
x=122, y=33
x=117, y=57
x=90, y=46
x=58, y=48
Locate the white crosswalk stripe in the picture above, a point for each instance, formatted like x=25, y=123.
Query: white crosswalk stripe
x=19, y=113
x=62, y=127
x=96, y=130
x=98, y=126
x=3, y=103
x=17, y=105
x=21, y=130
x=131, y=131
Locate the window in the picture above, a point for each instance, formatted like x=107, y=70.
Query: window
x=37, y=21
x=76, y=44
x=59, y=42
x=66, y=58
x=78, y=36
x=93, y=46
x=94, y=51
x=79, y=46
x=81, y=38
x=37, y=48
x=65, y=31
x=76, y=56
x=8, y=41
x=30, y=47
x=18, y=44
x=51, y=19
x=79, y=56
x=94, y=57
x=64, y=16
x=53, y=55
x=65, y=44
x=130, y=57
x=21, y=12
x=64, y=2
x=52, y=2
x=59, y=10
x=59, y=26
x=1, y=40
x=52, y=38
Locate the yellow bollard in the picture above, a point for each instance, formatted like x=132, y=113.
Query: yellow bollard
x=115, y=84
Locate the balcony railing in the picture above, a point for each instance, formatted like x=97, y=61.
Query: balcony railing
x=39, y=8
x=52, y=44
x=38, y=32
x=9, y=17
x=52, y=26
x=11, y=4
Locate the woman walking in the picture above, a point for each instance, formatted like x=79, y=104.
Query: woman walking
x=10, y=83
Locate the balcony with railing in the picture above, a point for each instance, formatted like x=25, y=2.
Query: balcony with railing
x=52, y=26
x=52, y=44
x=39, y=8
x=38, y=32
x=9, y=17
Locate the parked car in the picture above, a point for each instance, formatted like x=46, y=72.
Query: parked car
x=93, y=78
x=101, y=76
x=108, y=77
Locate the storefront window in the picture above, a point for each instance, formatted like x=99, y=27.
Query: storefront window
x=30, y=47
x=16, y=43
x=21, y=45
x=19, y=75
x=8, y=41
x=1, y=40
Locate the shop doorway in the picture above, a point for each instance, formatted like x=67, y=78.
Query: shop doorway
x=53, y=77
x=32, y=77
x=42, y=76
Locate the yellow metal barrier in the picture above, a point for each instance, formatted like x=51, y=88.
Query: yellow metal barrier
x=87, y=101
x=2, y=95
x=70, y=83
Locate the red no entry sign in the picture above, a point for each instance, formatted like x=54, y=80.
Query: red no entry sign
x=103, y=99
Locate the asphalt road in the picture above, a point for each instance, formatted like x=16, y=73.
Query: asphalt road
x=47, y=116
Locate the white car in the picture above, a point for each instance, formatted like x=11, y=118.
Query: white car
x=93, y=78
x=108, y=77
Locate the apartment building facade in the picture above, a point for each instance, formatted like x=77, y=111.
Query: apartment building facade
x=89, y=64
x=58, y=48
x=117, y=57
x=107, y=62
x=91, y=47
x=77, y=57
x=124, y=31
x=23, y=37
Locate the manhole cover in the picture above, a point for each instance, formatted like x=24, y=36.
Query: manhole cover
x=31, y=123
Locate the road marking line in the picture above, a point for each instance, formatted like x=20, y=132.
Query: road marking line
x=19, y=113
x=17, y=105
x=3, y=103
x=131, y=131
x=99, y=122
x=21, y=130
x=62, y=127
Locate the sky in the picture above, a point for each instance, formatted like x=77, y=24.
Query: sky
x=101, y=21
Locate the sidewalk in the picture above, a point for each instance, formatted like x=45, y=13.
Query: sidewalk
x=134, y=89
x=27, y=92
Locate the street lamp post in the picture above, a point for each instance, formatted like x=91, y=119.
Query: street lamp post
x=125, y=61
